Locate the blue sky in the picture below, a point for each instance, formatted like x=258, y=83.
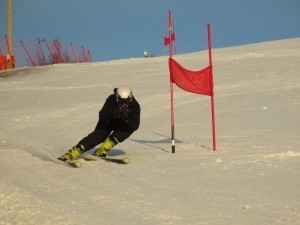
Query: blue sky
x=116, y=29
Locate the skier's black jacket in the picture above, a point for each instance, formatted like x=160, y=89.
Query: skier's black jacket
x=107, y=117
x=113, y=126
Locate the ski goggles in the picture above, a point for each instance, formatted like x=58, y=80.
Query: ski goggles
x=124, y=101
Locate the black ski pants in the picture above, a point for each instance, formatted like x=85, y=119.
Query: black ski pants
x=102, y=132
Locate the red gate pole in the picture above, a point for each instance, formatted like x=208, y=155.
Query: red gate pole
x=173, y=32
x=171, y=86
x=164, y=37
x=212, y=90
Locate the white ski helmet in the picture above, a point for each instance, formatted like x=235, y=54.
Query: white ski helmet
x=124, y=93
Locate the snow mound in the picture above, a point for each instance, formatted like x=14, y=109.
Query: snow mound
x=252, y=178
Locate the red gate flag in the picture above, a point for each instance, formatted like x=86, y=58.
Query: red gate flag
x=167, y=40
x=199, y=82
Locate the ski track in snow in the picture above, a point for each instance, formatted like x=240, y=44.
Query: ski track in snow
x=253, y=178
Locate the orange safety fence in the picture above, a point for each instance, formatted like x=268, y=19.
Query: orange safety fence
x=41, y=52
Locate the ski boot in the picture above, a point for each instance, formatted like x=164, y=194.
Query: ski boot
x=72, y=153
x=104, y=148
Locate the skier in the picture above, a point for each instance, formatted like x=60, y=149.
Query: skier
x=118, y=119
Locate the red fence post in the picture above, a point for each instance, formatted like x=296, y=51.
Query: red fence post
x=52, y=56
x=30, y=58
x=84, y=57
x=74, y=54
x=90, y=56
x=41, y=50
x=58, y=51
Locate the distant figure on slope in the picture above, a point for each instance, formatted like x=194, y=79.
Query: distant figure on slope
x=118, y=119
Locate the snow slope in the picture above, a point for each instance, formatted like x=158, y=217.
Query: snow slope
x=253, y=178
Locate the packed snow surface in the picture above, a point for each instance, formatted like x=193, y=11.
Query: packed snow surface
x=252, y=178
